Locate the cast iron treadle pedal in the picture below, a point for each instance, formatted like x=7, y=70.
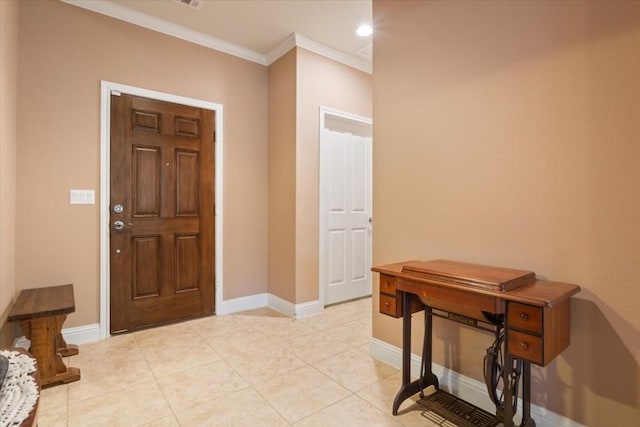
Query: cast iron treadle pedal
x=449, y=410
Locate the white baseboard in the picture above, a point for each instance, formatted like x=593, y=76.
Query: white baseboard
x=281, y=305
x=295, y=311
x=289, y=309
x=82, y=334
x=307, y=309
x=242, y=304
x=462, y=386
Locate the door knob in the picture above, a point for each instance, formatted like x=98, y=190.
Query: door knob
x=119, y=225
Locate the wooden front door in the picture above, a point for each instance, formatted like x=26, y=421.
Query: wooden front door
x=161, y=212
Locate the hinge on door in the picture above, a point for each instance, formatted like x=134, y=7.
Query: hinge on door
x=115, y=93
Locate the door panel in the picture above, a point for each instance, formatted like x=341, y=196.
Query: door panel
x=145, y=263
x=359, y=241
x=186, y=126
x=162, y=258
x=187, y=256
x=337, y=245
x=146, y=181
x=359, y=167
x=187, y=188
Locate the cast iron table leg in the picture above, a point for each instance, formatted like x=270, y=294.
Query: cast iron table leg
x=527, y=421
x=409, y=388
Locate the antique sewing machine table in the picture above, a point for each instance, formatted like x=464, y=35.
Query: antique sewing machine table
x=531, y=317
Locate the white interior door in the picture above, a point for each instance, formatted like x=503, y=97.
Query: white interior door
x=346, y=205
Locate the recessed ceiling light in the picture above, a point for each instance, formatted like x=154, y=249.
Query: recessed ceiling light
x=364, y=30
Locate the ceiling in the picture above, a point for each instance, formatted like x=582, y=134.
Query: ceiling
x=259, y=28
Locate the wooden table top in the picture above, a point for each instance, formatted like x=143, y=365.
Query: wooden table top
x=43, y=302
x=544, y=293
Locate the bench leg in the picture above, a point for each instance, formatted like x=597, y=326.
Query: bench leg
x=62, y=347
x=43, y=333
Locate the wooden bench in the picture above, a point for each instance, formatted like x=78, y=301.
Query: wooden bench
x=41, y=313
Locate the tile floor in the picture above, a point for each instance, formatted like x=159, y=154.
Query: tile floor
x=254, y=368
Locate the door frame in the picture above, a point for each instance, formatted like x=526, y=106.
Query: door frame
x=106, y=88
x=322, y=199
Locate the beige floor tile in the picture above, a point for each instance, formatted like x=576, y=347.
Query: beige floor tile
x=365, y=348
x=175, y=333
x=112, y=350
x=235, y=345
x=326, y=319
x=242, y=408
x=242, y=322
x=354, y=333
x=109, y=346
x=131, y=406
x=351, y=411
x=355, y=369
x=53, y=417
x=271, y=362
x=362, y=304
x=381, y=395
x=315, y=347
x=223, y=320
x=352, y=310
x=167, y=359
x=53, y=397
x=108, y=375
x=260, y=313
x=300, y=393
x=168, y=421
x=214, y=329
x=281, y=329
x=201, y=384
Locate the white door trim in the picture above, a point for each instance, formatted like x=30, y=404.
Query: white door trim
x=322, y=202
x=106, y=88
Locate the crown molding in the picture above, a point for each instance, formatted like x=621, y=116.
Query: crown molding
x=131, y=16
x=285, y=46
x=331, y=53
x=156, y=24
x=298, y=40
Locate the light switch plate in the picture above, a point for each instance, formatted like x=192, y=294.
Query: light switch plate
x=82, y=197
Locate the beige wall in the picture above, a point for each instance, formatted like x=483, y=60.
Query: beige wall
x=321, y=82
x=64, y=53
x=299, y=83
x=8, y=106
x=507, y=134
x=282, y=176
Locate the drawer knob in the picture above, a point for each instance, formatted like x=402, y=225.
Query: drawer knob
x=524, y=346
x=524, y=316
x=386, y=304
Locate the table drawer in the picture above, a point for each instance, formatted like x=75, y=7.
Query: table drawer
x=526, y=317
x=387, y=284
x=525, y=346
x=389, y=305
